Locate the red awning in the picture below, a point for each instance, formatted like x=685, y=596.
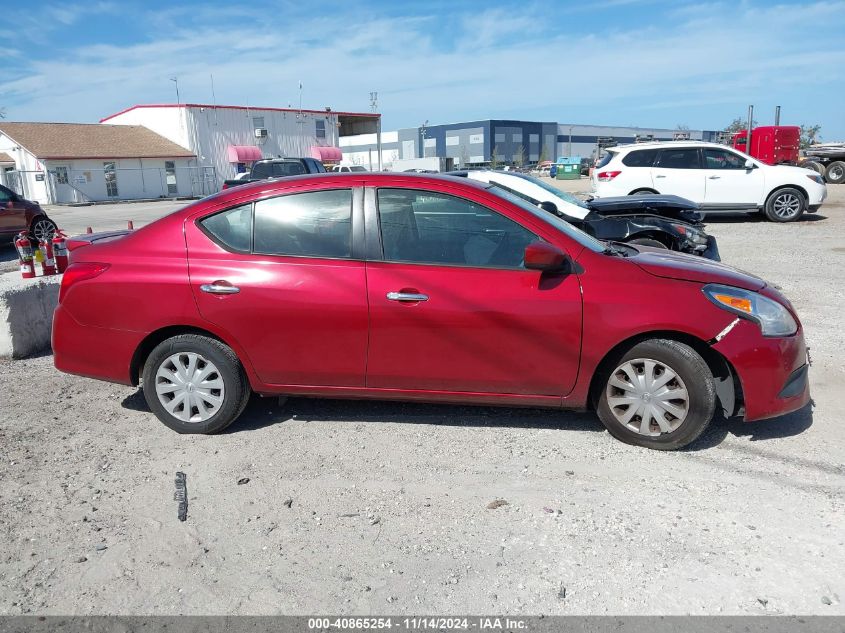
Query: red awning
x=244, y=153
x=326, y=154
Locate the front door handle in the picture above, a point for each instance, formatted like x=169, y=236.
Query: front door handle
x=659, y=176
x=713, y=177
x=406, y=296
x=220, y=288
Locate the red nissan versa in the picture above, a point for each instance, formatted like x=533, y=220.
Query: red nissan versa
x=426, y=288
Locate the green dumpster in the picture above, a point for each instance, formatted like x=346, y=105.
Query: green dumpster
x=568, y=172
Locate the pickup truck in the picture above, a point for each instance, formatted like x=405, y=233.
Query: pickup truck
x=277, y=168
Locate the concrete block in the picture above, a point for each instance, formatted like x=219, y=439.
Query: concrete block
x=26, y=313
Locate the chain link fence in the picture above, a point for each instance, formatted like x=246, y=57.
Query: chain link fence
x=62, y=185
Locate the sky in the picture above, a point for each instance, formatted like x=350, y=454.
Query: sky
x=648, y=63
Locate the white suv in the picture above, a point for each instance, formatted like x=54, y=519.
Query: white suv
x=719, y=178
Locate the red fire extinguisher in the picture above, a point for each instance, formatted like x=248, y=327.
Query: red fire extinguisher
x=24, y=247
x=48, y=266
x=60, y=250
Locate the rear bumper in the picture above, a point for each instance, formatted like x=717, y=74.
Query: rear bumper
x=772, y=371
x=94, y=352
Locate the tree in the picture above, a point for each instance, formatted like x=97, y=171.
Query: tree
x=682, y=127
x=494, y=158
x=519, y=156
x=810, y=135
x=739, y=124
x=2, y=113
x=464, y=155
x=544, y=155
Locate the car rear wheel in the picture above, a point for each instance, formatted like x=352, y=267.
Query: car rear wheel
x=659, y=394
x=643, y=192
x=647, y=241
x=42, y=228
x=785, y=205
x=195, y=384
x=835, y=172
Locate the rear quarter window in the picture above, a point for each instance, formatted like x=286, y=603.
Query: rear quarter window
x=606, y=159
x=640, y=158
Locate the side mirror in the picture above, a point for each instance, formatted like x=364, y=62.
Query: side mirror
x=749, y=164
x=548, y=205
x=543, y=256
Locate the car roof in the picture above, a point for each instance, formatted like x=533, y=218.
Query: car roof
x=655, y=144
x=348, y=179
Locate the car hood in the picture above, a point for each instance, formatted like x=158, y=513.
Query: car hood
x=673, y=207
x=670, y=265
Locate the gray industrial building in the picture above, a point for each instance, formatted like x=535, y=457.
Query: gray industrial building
x=473, y=143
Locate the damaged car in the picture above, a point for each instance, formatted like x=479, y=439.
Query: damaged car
x=658, y=221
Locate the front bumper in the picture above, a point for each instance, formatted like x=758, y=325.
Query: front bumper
x=772, y=371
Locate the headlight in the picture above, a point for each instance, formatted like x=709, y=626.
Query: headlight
x=772, y=317
x=816, y=178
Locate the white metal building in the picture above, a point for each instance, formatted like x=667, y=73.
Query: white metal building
x=230, y=138
x=54, y=163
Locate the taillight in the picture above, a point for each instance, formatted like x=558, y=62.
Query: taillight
x=606, y=176
x=225, y=186
x=80, y=272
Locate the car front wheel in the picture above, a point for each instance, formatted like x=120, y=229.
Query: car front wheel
x=195, y=384
x=42, y=229
x=659, y=394
x=785, y=205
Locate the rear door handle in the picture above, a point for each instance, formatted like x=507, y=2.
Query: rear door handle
x=406, y=296
x=220, y=288
x=713, y=177
x=659, y=176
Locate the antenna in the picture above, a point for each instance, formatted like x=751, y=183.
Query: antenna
x=213, y=98
x=374, y=101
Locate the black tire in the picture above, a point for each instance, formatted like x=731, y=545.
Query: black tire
x=235, y=391
x=694, y=375
x=40, y=226
x=816, y=167
x=647, y=241
x=785, y=205
x=835, y=172
x=643, y=192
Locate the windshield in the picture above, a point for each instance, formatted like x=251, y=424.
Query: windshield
x=563, y=195
x=562, y=225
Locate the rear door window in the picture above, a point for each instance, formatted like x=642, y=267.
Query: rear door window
x=640, y=158
x=679, y=158
x=312, y=224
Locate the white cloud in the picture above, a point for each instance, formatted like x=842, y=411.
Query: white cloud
x=489, y=65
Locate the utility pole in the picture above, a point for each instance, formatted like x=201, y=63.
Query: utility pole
x=176, y=81
x=423, y=130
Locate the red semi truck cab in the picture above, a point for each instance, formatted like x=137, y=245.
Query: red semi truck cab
x=772, y=144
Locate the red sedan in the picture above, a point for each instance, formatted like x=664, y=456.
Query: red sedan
x=422, y=288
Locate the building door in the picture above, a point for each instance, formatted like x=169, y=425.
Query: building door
x=110, y=175
x=61, y=179
x=170, y=177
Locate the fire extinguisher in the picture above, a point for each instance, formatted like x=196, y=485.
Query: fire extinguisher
x=48, y=266
x=60, y=250
x=24, y=247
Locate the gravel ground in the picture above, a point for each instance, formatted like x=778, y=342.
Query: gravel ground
x=354, y=507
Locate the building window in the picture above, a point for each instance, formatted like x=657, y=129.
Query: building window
x=61, y=175
x=321, y=128
x=110, y=174
x=257, y=122
x=170, y=176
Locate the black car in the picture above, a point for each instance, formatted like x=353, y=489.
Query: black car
x=659, y=221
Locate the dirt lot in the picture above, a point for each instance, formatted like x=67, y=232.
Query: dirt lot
x=383, y=508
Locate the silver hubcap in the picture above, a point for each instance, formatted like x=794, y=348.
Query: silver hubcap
x=43, y=230
x=787, y=205
x=836, y=173
x=647, y=397
x=189, y=387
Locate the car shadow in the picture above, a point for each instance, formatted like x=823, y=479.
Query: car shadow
x=262, y=412
x=787, y=425
x=735, y=218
